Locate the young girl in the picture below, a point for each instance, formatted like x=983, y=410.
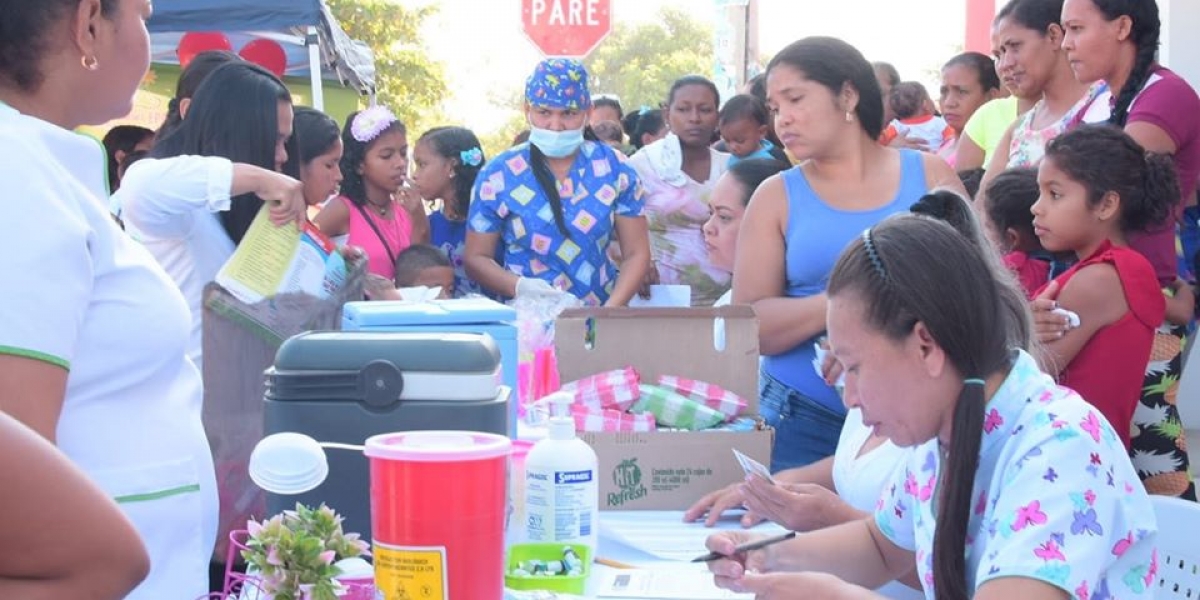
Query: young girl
x=1097, y=185
x=447, y=160
x=376, y=211
x=319, y=141
x=1008, y=201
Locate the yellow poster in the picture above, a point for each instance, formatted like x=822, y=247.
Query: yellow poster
x=410, y=573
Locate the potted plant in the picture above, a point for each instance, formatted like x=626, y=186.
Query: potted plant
x=294, y=553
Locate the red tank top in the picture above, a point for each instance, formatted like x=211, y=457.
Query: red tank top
x=1108, y=371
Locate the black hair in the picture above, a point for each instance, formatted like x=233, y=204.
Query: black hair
x=1105, y=159
x=1145, y=32
x=549, y=185
x=416, y=258
x=123, y=139
x=1035, y=15
x=689, y=80
x=26, y=32
x=354, y=153
x=1010, y=196
x=235, y=115
x=889, y=71
x=833, y=63
x=190, y=79
x=639, y=123
x=971, y=180
x=131, y=158
x=609, y=131
x=757, y=87
x=898, y=270
x=609, y=101
x=948, y=206
x=982, y=64
x=315, y=132
x=743, y=106
x=907, y=99
x=752, y=172
x=451, y=143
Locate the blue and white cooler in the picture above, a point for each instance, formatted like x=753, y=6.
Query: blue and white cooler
x=460, y=315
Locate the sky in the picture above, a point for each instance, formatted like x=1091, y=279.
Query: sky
x=487, y=57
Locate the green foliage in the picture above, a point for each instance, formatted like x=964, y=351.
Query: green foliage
x=297, y=550
x=639, y=63
x=407, y=81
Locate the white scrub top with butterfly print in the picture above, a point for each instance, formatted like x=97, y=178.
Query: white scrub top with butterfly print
x=1056, y=498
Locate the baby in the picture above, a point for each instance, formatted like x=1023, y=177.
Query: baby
x=743, y=127
x=910, y=103
x=419, y=265
x=1007, y=202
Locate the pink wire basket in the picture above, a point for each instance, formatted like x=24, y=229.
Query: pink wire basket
x=242, y=586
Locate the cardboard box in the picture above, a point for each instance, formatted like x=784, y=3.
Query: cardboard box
x=666, y=470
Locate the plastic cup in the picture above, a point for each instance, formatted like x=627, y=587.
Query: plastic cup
x=516, y=491
x=438, y=502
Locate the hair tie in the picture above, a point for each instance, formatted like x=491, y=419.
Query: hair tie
x=873, y=254
x=371, y=122
x=973, y=381
x=472, y=157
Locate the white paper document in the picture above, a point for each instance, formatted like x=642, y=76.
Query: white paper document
x=663, y=534
x=664, y=296
x=664, y=584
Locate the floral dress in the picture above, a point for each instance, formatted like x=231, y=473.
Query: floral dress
x=676, y=210
x=1057, y=498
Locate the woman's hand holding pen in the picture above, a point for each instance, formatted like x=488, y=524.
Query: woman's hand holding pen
x=731, y=569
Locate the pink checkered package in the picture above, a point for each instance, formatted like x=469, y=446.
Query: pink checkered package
x=612, y=390
x=589, y=419
x=713, y=396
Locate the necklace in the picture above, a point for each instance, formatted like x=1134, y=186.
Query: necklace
x=383, y=210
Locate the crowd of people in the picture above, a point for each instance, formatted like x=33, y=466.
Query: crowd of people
x=972, y=310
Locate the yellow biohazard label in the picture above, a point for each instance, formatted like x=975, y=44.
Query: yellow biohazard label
x=410, y=572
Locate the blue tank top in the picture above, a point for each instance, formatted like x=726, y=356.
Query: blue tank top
x=816, y=235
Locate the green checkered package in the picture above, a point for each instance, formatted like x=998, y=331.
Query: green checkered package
x=672, y=410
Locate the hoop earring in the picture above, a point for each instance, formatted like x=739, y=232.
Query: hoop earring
x=89, y=62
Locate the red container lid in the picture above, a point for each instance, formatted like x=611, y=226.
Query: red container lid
x=438, y=446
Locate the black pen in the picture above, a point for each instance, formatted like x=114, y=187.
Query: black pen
x=763, y=543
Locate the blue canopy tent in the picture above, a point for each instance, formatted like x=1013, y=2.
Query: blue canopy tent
x=314, y=43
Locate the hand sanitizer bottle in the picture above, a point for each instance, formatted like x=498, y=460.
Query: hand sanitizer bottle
x=561, y=492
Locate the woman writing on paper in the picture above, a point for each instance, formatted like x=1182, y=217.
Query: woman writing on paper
x=1015, y=487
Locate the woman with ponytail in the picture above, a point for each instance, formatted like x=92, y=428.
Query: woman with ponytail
x=1116, y=41
x=447, y=161
x=1015, y=487
x=556, y=202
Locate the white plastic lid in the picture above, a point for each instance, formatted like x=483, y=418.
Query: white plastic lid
x=288, y=463
x=438, y=446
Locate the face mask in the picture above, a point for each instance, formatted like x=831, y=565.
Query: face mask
x=556, y=144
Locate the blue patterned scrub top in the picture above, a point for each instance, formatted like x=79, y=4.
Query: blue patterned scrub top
x=1057, y=499
x=599, y=187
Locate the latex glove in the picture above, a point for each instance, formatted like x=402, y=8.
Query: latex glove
x=532, y=287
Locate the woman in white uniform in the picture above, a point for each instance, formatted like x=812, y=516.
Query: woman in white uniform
x=92, y=331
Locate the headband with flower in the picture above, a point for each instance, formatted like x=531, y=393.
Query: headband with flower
x=472, y=157
x=371, y=122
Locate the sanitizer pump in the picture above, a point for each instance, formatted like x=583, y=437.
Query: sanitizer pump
x=561, y=492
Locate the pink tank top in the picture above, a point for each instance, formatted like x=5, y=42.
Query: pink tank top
x=394, y=235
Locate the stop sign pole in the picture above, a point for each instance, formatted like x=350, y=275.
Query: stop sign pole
x=566, y=28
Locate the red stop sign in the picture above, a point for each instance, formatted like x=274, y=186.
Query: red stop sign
x=566, y=28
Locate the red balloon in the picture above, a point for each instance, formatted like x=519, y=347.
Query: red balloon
x=195, y=42
x=267, y=54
